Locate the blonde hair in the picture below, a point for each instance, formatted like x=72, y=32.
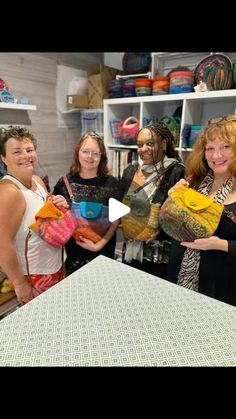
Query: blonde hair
x=196, y=166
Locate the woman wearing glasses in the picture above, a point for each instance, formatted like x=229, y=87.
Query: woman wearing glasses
x=159, y=171
x=208, y=265
x=90, y=182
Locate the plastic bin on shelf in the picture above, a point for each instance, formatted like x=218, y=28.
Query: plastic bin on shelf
x=92, y=120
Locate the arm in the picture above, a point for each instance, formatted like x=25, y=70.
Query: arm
x=60, y=189
x=210, y=243
x=11, y=216
x=95, y=247
x=57, y=199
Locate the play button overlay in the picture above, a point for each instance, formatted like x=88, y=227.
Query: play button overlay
x=116, y=209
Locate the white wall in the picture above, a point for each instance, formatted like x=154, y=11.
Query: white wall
x=35, y=75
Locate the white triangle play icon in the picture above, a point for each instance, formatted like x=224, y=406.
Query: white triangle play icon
x=116, y=209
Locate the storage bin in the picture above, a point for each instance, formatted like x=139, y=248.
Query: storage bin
x=92, y=120
x=114, y=126
x=195, y=130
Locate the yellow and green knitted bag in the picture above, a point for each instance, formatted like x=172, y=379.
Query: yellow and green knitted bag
x=187, y=215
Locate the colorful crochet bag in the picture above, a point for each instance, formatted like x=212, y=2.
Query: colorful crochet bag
x=53, y=224
x=127, y=131
x=142, y=221
x=173, y=124
x=187, y=215
x=92, y=220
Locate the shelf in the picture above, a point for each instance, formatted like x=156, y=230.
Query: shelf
x=73, y=110
x=214, y=94
x=18, y=106
x=197, y=108
x=130, y=76
x=118, y=146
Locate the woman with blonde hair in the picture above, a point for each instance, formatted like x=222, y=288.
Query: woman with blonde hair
x=208, y=265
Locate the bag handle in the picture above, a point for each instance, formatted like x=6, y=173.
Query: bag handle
x=158, y=176
x=230, y=215
x=68, y=187
x=26, y=253
x=174, y=119
x=130, y=118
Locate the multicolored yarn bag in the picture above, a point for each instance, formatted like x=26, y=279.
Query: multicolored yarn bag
x=92, y=220
x=187, y=215
x=127, y=131
x=53, y=224
x=142, y=221
x=173, y=124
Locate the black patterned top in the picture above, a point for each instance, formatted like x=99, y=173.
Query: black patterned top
x=96, y=190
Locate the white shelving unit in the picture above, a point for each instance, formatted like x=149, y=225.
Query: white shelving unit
x=197, y=109
x=18, y=106
x=131, y=76
x=73, y=110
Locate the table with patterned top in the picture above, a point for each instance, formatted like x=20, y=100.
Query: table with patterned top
x=109, y=314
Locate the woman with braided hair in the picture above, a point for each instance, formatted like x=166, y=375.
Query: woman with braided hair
x=156, y=150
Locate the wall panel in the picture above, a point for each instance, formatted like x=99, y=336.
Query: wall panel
x=34, y=75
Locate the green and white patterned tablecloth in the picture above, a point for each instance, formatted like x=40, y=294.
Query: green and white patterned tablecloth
x=108, y=314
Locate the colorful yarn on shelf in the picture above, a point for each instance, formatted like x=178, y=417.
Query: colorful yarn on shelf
x=143, y=87
x=160, y=85
x=181, y=82
x=115, y=88
x=129, y=88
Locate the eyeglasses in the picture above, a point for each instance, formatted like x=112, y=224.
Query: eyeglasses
x=95, y=154
x=93, y=134
x=229, y=118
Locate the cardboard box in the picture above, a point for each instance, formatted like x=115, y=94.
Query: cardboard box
x=98, y=85
x=77, y=101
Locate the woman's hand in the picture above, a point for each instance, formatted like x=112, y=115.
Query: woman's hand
x=59, y=200
x=181, y=182
x=210, y=243
x=153, y=236
x=24, y=292
x=88, y=244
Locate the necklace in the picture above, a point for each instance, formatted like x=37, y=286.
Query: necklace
x=37, y=192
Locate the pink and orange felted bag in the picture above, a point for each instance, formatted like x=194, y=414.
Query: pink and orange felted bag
x=55, y=225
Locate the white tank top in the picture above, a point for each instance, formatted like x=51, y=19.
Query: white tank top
x=42, y=257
